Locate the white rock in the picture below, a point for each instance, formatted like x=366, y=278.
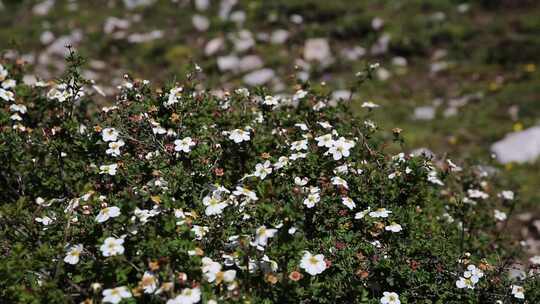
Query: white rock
x=213, y=46
x=259, y=77
x=201, y=23
x=202, y=5
x=279, y=36
x=243, y=40
x=250, y=63
x=46, y=37
x=43, y=8
x=424, y=113
x=317, y=49
x=520, y=147
x=228, y=63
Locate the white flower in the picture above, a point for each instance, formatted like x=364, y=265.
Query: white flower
x=312, y=199
x=302, y=126
x=390, y=298
x=299, y=145
x=300, y=181
x=112, y=247
x=313, y=264
x=361, y=214
x=174, y=95
x=188, y=296
x=18, y=108
x=246, y=192
x=434, y=179
x=149, y=282
x=200, y=231
x=474, y=193
x=338, y=181
x=114, y=147
x=184, y=145
x=282, y=161
x=499, y=215
x=394, y=227
x=262, y=170
x=507, y=195
x=107, y=213
x=108, y=169
x=262, y=234
x=73, y=253
x=325, y=140
x=239, y=135
x=464, y=283
x=474, y=273
x=347, y=201
x=381, y=212
x=116, y=295
x=213, y=205
x=7, y=95
x=370, y=105
x=299, y=95
x=535, y=260
x=109, y=134
x=340, y=148
x=518, y=292
x=271, y=100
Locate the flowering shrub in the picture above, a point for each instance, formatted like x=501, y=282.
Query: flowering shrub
x=175, y=195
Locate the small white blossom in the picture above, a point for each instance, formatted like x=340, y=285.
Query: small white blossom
x=112, y=247
x=313, y=264
x=184, y=145
x=116, y=295
x=518, y=292
x=390, y=298
x=73, y=253
x=109, y=134
x=108, y=169
x=107, y=213
x=239, y=135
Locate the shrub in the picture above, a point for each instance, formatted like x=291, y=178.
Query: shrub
x=176, y=195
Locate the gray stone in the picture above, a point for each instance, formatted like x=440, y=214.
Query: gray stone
x=519, y=147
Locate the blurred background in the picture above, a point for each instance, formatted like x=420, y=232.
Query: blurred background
x=461, y=78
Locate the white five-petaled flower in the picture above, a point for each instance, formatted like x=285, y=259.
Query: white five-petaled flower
x=338, y=181
x=187, y=296
x=114, y=147
x=73, y=253
x=507, y=195
x=262, y=170
x=184, y=145
x=7, y=95
x=109, y=134
x=325, y=140
x=518, y=292
x=107, y=213
x=115, y=295
x=381, y=212
x=299, y=145
x=112, y=246
x=174, y=96
x=499, y=215
x=271, y=100
x=239, y=135
x=347, y=201
x=313, y=264
x=390, y=298
x=262, y=234
x=213, y=205
x=393, y=227
x=312, y=199
x=149, y=282
x=340, y=148
x=464, y=283
x=108, y=169
x=369, y=105
x=245, y=192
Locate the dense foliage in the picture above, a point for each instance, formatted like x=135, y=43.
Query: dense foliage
x=177, y=195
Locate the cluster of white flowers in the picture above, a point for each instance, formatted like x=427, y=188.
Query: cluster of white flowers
x=7, y=94
x=470, y=277
x=339, y=148
x=64, y=92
